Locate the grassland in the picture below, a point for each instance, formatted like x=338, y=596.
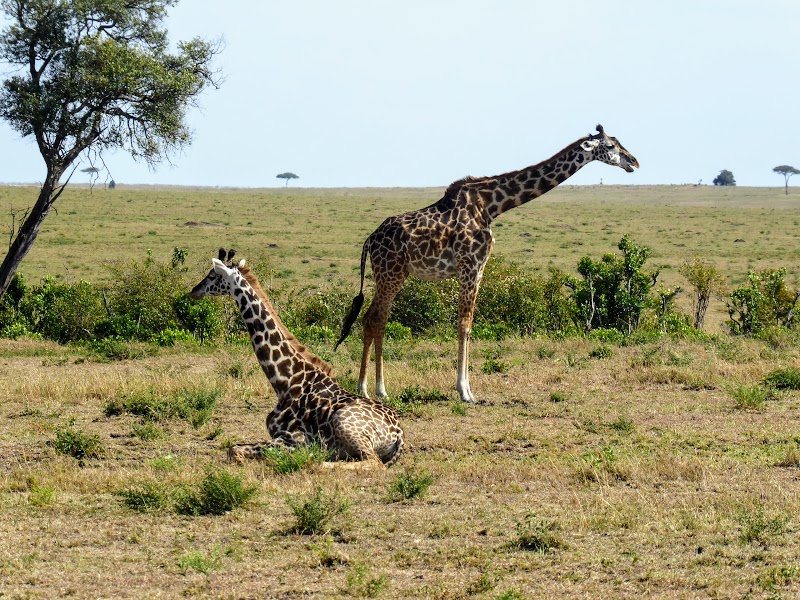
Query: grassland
x=653, y=471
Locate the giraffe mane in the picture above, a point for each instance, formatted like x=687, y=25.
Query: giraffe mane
x=293, y=341
x=454, y=188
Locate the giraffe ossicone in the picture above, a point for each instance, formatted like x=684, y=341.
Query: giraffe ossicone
x=311, y=406
x=453, y=238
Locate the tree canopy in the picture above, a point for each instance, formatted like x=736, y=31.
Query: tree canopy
x=95, y=75
x=725, y=177
x=287, y=176
x=787, y=172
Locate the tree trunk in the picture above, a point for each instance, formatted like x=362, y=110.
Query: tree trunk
x=28, y=231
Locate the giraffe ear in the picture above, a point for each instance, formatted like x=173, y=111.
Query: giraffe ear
x=589, y=145
x=219, y=267
x=242, y=263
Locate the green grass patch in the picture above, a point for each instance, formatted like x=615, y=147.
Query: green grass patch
x=536, y=534
x=193, y=405
x=78, y=444
x=316, y=513
x=217, y=493
x=146, y=497
x=361, y=583
x=200, y=562
x=146, y=431
x=413, y=483
x=288, y=460
x=749, y=397
x=783, y=379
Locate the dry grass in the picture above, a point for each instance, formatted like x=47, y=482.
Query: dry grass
x=648, y=486
x=641, y=468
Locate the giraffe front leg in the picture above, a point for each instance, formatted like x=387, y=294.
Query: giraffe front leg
x=239, y=453
x=469, y=282
x=462, y=375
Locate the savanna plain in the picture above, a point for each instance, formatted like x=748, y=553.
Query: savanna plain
x=639, y=470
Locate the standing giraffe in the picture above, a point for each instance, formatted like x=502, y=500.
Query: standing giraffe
x=453, y=237
x=311, y=405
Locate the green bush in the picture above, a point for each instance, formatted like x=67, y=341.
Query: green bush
x=398, y=331
x=783, y=379
x=121, y=327
x=324, y=308
x=13, y=323
x=422, y=304
x=202, y=317
x=76, y=443
x=749, y=397
x=217, y=493
x=145, y=497
x=614, y=291
x=145, y=293
x=315, y=514
x=414, y=483
x=763, y=301
x=113, y=348
x=170, y=337
x=512, y=301
x=193, y=405
x=601, y=352
x=61, y=312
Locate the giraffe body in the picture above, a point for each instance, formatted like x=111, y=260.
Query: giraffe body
x=311, y=405
x=453, y=238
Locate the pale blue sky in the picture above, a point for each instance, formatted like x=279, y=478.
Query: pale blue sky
x=422, y=92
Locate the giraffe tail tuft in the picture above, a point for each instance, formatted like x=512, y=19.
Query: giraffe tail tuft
x=351, y=317
x=358, y=301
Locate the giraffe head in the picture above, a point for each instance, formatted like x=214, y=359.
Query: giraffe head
x=220, y=279
x=607, y=149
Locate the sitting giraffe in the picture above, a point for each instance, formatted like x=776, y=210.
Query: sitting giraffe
x=453, y=237
x=311, y=405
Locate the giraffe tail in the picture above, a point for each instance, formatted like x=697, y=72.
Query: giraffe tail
x=394, y=452
x=358, y=302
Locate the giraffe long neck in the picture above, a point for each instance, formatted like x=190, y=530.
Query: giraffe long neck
x=285, y=362
x=507, y=191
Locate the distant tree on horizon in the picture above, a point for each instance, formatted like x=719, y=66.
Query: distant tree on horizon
x=94, y=76
x=287, y=176
x=725, y=177
x=787, y=172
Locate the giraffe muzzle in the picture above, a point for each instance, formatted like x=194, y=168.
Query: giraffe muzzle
x=628, y=163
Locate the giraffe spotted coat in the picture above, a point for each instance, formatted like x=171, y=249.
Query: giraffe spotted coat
x=311, y=404
x=453, y=238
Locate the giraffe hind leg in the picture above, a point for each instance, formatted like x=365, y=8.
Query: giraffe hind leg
x=375, y=328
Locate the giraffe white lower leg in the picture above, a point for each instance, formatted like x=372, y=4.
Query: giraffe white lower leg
x=462, y=375
x=380, y=389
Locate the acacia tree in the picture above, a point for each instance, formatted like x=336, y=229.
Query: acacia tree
x=725, y=177
x=94, y=75
x=287, y=176
x=787, y=172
